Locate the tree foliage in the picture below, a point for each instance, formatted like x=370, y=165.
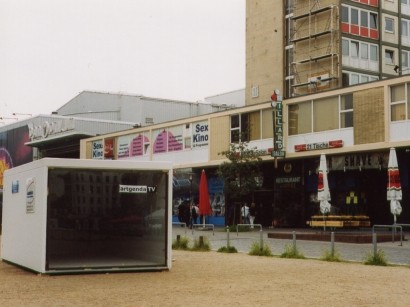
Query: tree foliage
x=241, y=171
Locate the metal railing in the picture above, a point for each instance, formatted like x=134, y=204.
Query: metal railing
x=204, y=226
x=250, y=226
x=393, y=232
x=179, y=223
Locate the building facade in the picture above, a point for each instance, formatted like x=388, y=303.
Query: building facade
x=323, y=44
x=354, y=126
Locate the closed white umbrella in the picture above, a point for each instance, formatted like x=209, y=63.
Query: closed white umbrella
x=394, y=193
x=323, y=193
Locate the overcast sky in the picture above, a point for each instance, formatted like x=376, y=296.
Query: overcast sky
x=51, y=50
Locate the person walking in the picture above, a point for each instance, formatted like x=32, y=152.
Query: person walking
x=252, y=214
x=194, y=214
x=245, y=214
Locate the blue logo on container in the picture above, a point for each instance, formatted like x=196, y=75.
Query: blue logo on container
x=15, y=187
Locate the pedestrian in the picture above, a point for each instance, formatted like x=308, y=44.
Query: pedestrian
x=252, y=214
x=181, y=212
x=194, y=215
x=245, y=214
x=187, y=213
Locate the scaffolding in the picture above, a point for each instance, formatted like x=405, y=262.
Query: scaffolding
x=315, y=38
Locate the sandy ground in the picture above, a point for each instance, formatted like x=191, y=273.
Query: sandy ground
x=215, y=279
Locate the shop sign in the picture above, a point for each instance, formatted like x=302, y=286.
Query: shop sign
x=200, y=135
x=278, y=132
x=288, y=180
x=98, y=150
x=318, y=146
x=359, y=161
x=47, y=128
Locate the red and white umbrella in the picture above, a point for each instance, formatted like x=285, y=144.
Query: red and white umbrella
x=394, y=193
x=204, y=202
x=323, y=193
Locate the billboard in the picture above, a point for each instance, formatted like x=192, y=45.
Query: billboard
x=13, y=152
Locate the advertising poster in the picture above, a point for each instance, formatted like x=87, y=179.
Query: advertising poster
x=13, y=152
x=109, y=149
x=200, y=134
x=175, y=139
x=217, y=196
x=139, y=145
x=123, y=146
x=161, y=141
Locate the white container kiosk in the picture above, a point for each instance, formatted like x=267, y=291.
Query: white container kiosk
x=71, y=216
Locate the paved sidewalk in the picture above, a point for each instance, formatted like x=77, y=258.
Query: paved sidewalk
x=395, y=252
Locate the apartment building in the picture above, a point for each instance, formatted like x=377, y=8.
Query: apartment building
x=323, y=44
x=339, y=70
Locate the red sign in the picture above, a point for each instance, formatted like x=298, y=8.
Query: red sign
x=109, y=149
x=318, y=146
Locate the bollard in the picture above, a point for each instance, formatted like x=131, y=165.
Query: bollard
x=294, y=240
x=178, y=238
x=332, y=245
x=374, y=244
x=201, y=241
x=261, y=240
x=227, y=236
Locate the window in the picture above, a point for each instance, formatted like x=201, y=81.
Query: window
x=358, y=21
x=319, y=115
x=345, y=14
x=345, y=47
x=354, y=49
x=404, y=27
x=364, y=79
x=389, y=25
x=389, y=56
x=405, y=63
x=354, y=79
x=354, y=16
x=364, y=51
x=374, y=54
x=398, y=101
x=360, y=55
x=350, y=78
x=346, y=111
x=255, y=91
x=326, y=114
x=240, y=128
x=300, y=118
x=364, y=19
x=235, y=129
x=373, y=21
x=405, y=32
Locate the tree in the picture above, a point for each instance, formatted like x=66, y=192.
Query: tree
x=242, y=171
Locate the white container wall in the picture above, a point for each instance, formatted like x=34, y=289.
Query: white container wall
x=70, y=215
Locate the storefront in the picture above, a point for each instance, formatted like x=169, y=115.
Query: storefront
x=358, y=185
